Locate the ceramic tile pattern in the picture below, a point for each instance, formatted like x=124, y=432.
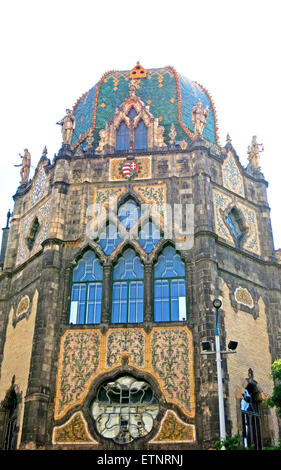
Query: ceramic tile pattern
x=170, y=98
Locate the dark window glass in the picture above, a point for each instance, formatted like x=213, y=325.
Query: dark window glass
x=127, y=293
x=169, y=287
x=235, y=224
x=122, y=137
x=109, y=239
x=250, y=422
x=86, y=295
x=128, y=213
x=149, y=236
x=140, y=136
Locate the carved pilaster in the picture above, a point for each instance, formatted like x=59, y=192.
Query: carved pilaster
x=148, y=294
x=106, y=299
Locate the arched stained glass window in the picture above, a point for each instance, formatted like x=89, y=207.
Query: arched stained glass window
x=140, y=136
x=127, y=294
x=86, y=295
x=109, y=239
x=128, y=213
x=122, y=137
x=169, y=287
x=149, y=236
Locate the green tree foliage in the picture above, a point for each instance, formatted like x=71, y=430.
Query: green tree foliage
x=275, y=399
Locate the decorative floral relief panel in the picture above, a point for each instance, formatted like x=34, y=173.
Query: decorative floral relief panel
x=252, y=242
x=74, y=431
x=42, y=213
x=79, y=361
x=221, y=202
x=173, y=429
x=39, y=188
x=166, y=354
x=232, y=177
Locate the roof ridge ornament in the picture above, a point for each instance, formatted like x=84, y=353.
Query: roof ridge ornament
x=138, y=71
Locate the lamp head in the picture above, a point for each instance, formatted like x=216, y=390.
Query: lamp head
x=232, y=345
x=206, y=346
x=217, y=303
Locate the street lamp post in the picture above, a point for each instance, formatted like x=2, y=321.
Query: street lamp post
x=217, y=305
x=207, y=347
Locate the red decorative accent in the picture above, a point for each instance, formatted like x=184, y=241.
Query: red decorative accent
x=130, y=169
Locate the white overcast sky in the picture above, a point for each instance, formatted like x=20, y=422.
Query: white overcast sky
x=54, y=51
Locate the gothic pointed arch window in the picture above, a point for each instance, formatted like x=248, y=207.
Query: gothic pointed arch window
x=169, y=287
x=33, y=233
x=86, y=293
x=250, y=420
x=128, y=213
x=127, y=291
x=122, y=137
x=109, y=238
x=8, y=421
x=149, y=236
x=140, y=140
x=236, y=225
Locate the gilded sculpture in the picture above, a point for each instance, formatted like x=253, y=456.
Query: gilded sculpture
x=68, y=126
x=199, y=117
x=25, y=166
x=254, y=153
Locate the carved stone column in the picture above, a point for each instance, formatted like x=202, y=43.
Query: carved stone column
x=148, y=293
x=106, y=299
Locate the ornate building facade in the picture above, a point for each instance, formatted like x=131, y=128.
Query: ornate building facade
x=106, y=296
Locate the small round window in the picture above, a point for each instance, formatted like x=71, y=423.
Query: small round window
x=124, y=409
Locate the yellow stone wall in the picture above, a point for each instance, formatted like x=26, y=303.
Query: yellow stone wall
x=252, y=352
x=16, y=357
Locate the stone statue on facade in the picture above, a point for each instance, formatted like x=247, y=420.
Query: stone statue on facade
x=254, y=153
x=68, y=126
x=25, y=166
x=199, y=117
x=9, y=215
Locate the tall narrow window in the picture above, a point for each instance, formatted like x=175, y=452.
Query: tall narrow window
x=235, y=224
x=169, y=287
x=250, y=422
x=33, y=233
x=86, y=296
x=11, y=426
x=122, y=137
x=140, y=142
x=127, y=295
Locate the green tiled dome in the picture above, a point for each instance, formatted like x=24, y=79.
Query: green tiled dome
x=170, y=98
